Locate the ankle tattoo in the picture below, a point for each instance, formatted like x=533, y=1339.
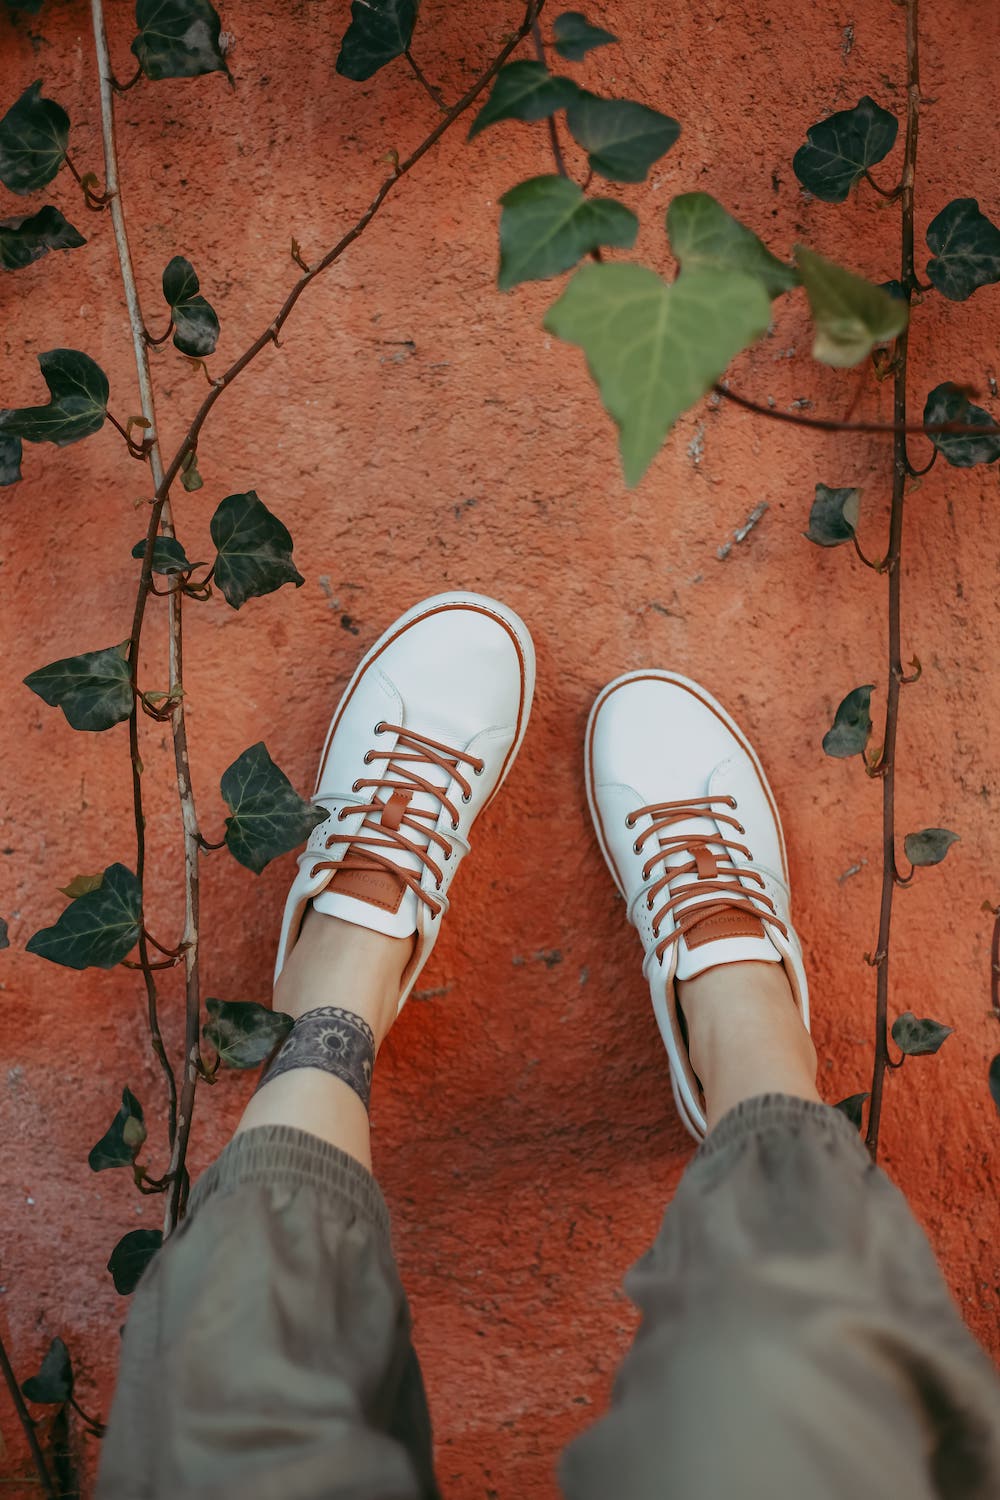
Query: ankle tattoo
x=334, y=1040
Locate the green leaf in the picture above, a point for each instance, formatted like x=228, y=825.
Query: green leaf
x=547, y=225
x=851, y=315
x=10, y=459
x=574, y=36
x=703, y=235
x=79, y=399
x=623, y=138
x=53, y=1385
x=380, y=30
x=255, y=550
x=524, y=91
x=25, y=239
x=852, y=724
x=121, y=1142
x=834, y=516
x=94, y=690
x=918, y=1038
x=33, y=137
x=190, y=478
x=168, y=555
x=965, y=245
x=852, y=1107
x=244, y=1033
x=98, y=929
x=131, y=1256
x=655, y=349
x=178, y=38
x=994, y=1081
x=842, y=147
x=81, y=885
x=268, y=815
x=196, y=326
x=929, y=846
x=4, y=938
x=948, y=403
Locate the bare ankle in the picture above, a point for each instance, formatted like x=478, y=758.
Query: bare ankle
x=339, y=963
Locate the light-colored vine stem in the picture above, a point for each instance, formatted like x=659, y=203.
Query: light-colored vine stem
x=27, y=1425
x=886, y=767
x=159, y=518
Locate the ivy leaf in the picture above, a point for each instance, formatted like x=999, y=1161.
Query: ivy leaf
x=841, y=148
x=94, y=689
x=34, y=134
x=25, y=239
x=929, y=846
x=121, y=1142
x=178, y=38
x=852, y=724
x=168, y=555
x=380, y=30
x=255, y=549
x=524, y=91
x=196, y=325
x=244, y=1033
x=10, y=459
x=268, y=815
x=834, y=516
x=53, y=1384
x=852, y=1107
x=190, y=477
x=851, y=315
x=96, y=930
x=703, y=234
x=965, y=245
x=948, y=403
x=4, y=938
x=131, y=1256
x=547, y=225
x=574, y=36
x=623, y=138
x=78, y=389
x=994, y=1081
x=655, y=349
x=81, y=885
x=918, y=1038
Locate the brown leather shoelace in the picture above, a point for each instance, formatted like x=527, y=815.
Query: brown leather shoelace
x=384, y=820
x=713, y=878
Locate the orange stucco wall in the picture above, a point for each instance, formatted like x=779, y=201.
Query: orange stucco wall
x=418, y=431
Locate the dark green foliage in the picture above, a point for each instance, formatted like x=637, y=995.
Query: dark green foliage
x=33, y=137
x=852, y=724
x=948, y=403
x=98, y=929
x=123, y=1139
x=178, y=38
x=94, y=690
x=268, y=815
x=918, y=1038
x=834, y=516
x=244, y=1033
x=25, y=239
x=703, y=234
x=623, y=139
x=548, y=224
x=131, y=1256
x=196, y=325
x=254, y=550
x=524, y=91
x=574, y=36
x=853, y=1108
x=840, y=149
x=965, y=246
x=78, y=389
x=168, y=555
x=929, y=846
x=54, y=1382
x=10, y=459
x=380, y=31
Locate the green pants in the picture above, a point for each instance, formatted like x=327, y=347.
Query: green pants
x=797, y=1340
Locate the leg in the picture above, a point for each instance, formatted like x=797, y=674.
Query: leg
x=797, y=1338
x=268, y=1353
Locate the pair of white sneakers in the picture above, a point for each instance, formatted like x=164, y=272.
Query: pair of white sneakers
x=420, y=744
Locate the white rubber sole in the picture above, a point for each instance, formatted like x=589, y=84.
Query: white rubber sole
x=678, y=1082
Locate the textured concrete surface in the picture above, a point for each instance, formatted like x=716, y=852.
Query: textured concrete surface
x=418, y=431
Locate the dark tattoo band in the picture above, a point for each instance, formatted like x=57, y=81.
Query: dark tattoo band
x=335, y=1040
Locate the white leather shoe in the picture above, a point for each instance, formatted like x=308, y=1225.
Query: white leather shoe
x=420, y=743
x=690, y=831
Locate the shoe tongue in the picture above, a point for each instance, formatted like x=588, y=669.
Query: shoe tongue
x=721, y=936
x=370, y=894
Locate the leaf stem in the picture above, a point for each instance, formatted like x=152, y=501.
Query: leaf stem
x=536, y=37
x=891, y=193
x=425, y=82
x=28, y=1425
x=900, y=467
x=831, y=424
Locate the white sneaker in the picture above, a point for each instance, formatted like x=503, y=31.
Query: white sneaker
x=424, y=735
x=691, y=834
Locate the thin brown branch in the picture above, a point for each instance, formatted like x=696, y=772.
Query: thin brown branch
x=536, y=37
x=891, y=193
x=919, y=473
x=425, y=83
x=27, y=1424
x=900, y=468
x=832, y=424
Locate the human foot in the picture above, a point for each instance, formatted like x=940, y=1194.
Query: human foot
x=689, y=828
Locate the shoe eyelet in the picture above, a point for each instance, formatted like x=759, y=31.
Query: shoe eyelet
x=629, y=821
x=455, y=827
x=478, y=770
x=649, y=906
x=732, y=803
x=740, y=828
x=466, y=796
x=356, y=787
x=437, y=885
x=637, y=847
x=380, y=727
x=447, y=857
x=369, y=757
x=340, y=815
